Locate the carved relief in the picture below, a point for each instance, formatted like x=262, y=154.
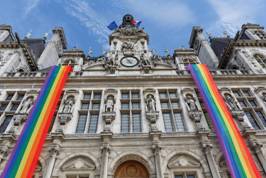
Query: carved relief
x=180, y=161
x=79, y=163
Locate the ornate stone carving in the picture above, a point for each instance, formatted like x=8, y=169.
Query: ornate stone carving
x=68, y=104
x=183, y=161
x=193, y=111
x=27, y=104
x=3, y=153
x=79, y=163
x=145, y=63
x=111, y=64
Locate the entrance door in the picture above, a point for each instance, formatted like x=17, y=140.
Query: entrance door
x=131, y=169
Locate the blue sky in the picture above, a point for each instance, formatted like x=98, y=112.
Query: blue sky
x=168, y=22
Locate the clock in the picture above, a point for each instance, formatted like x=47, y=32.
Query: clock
x=129, y=61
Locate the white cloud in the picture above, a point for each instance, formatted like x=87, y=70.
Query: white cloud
x=166, y=13
x=233, y=13
x=88, y=17
x=30, y=5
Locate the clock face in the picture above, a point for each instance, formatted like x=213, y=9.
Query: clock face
x=129, y=61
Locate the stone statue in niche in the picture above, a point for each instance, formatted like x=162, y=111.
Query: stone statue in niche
x=193, y=111
x=68, y=104
x=150, y=103
x=264, y=97
x=109, y=106
x=27, y=104
x=231, y=103
x=191, y=104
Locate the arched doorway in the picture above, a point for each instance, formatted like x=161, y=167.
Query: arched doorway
x=131, y=169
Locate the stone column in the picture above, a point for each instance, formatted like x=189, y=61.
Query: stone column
x=207, y=148
x=106, y=139
x=158, y=162
x=53, y=155
x=3, y=35
x=104, y=162
x=155, y=136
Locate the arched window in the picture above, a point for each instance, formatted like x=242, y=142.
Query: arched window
x=261, y=60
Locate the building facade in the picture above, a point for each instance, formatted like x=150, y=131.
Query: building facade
x=131, y=113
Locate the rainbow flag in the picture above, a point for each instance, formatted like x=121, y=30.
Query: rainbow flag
x=24, y=157
x=237, y=154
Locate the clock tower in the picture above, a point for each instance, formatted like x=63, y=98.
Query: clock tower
x=129, y=44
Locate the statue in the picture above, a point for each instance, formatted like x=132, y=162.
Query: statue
x=150, y=103
x=191, y=104
x=111, y=64
x=68, y=104
x=109, y=106
x=230, y=102
x=264, y=97
x=26, y=105
x=144, y=60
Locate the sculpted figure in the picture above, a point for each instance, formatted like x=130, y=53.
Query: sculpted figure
x=26, y=105
x=109, y=106
x=191, y=104
x=150, y=103
x=68, y=104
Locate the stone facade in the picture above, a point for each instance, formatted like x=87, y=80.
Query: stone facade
x=133, y=106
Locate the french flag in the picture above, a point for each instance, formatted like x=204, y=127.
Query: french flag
x=136, y=23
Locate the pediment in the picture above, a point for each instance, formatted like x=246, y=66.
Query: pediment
x=78, y=164
x=183, y=161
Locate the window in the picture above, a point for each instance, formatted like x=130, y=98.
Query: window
x=85, y=105
x=261, y=59
x=251, y=107
x=131, y=111
x=14, y=107
x=185, y=175
x=125, y=123
x=167, y=122
x=5, y=123
x=95, y=106
x=10, y=96
x=81, y=123
x=171, y=111
x=89, y=112
x=87, y=96
x=78, y=176
x=136, y=122
x=252, y=120
x=93, y=123
x=20, y=96
x=3, y=107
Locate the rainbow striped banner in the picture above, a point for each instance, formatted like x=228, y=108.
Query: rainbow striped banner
x=237, y=154
x=24, y=157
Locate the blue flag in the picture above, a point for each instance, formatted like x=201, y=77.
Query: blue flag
x=112, y=26
x=138, y=23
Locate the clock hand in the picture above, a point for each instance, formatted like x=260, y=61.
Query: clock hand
x=129, y=61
